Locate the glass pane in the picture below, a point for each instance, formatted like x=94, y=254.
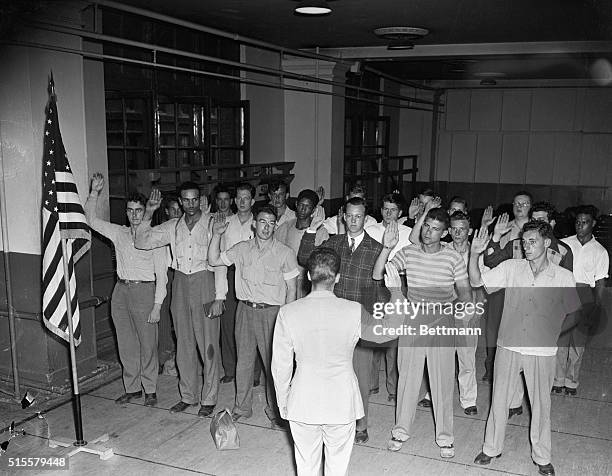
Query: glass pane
x=185, y=125
x=167, y=158
x=137, y=123
x=230, y=129
x=116, y=184
x=114, y=120
x=115, y=160
x=139, y=159
x=166, y=125
x=199, y=126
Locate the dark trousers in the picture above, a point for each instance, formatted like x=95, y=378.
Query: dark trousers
x=228, y=324
x=166, y=344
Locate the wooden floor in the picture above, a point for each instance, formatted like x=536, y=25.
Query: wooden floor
x=151, y=441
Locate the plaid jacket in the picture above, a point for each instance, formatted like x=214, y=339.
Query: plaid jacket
x=356, y=283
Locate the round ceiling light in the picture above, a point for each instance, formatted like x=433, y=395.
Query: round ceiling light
x=313, y=7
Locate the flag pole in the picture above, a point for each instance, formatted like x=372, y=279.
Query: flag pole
x=78, y=419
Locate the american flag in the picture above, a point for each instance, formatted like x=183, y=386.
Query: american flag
x=62, y=217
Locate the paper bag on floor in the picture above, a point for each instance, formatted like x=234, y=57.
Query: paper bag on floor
x=224, y=431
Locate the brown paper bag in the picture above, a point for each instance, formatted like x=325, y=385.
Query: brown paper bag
x=224, y=431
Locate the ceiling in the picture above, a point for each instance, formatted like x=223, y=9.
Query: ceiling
x=468, y=39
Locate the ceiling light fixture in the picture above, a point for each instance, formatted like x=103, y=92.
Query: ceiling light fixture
x=401, y=37
x=313, y=7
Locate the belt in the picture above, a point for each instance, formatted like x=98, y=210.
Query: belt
x=133, y=281
x=258, y=305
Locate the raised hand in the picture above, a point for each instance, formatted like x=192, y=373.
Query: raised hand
x=219, y=225
x=204, y=205
x=154, y=202
x=435, y=203
x=487, y=217
x=502, y=226
x=321, y=194
x=318, y=217
x=480, y=241
x=392, y=277
x=97, y=182
x=413, y=209
x=391, y=235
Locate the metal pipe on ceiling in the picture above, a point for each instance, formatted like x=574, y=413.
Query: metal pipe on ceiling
x=120, y=59
x=213, y=59
x=246, y=40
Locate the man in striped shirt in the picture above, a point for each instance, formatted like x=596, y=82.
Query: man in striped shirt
x=435, y=274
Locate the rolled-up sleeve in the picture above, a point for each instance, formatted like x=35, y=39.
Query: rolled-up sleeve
x=107, y=229
x=496, y=278
x=289, y=267
x=160, y=262
x=148, y=238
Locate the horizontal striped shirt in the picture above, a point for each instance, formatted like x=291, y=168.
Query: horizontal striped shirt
x=431, y=277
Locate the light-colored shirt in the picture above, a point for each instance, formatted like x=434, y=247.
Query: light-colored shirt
x=377, y=231
x=189, y=247
x=289, y=235
x=236, y=232
x=261, y=270
x=431, y=277
x=331, y=225
x=132, y=264
x=285, y=217
x=591, y=260
x=534, y=306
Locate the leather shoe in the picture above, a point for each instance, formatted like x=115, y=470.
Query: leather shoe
x=150, y=399
x=545, y=469
x=447, y=451
x=227, y=379
x=391, y=398
x=128, y=397
x=374, y=391
x=277, y=423
x=471, y=410
x=484, y=459
x=556, y=389
x=361, y=437
x=205, y=410
x=425, y=403
x=515, y=411
x=256, y=383
x=237, y=416
x=181, y=407
x=570, y=391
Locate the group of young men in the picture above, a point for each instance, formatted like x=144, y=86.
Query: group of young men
x=236, y=276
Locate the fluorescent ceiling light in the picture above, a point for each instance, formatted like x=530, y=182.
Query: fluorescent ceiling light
x=313, y=7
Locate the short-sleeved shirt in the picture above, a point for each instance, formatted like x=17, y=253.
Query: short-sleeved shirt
x=287, y=215
x=431, y=277
x=236, y=232
x=534, y=306
x=261, y=271
x=377, y=231
x=591, y=260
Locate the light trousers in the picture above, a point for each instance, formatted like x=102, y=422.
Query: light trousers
x=310, y=441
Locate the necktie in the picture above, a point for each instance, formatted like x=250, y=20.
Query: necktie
x=352, y=244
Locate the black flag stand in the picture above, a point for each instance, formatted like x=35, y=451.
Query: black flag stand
x=80, y=444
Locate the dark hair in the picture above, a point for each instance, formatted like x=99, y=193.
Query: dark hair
x=543, y=207
x=395, y=198
x=309, y=195
x=439, y=215
x=168, y=199
x=269, y=209
x=460, y=216
x=357, y=188
x=221, y=188
x=544, y=229
x=137, y=197
x=323, y=265
x=188, y=186
x=428, y=192
x=356, y=201
x=458, y=199
x=276, y=185
x=587, y=210
x=523, y=192
x=246, y=186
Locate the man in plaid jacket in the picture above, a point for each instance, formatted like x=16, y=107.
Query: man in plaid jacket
x=358, y=252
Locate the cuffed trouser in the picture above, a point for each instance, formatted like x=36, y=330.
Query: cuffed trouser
x=466, y=358
x=228, y=325
x=196, y=333
x=362, y=364
x=254, y=331
x=311, y=440
x=131, y=305
x=166, y=345
x=440, y=356
x=390, y=355
x=539, y=373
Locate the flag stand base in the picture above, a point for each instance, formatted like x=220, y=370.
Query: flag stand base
x=92, y=447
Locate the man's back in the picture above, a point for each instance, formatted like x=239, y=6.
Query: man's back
x=322, y=330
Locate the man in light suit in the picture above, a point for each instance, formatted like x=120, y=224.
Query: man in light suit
x=322, y=401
